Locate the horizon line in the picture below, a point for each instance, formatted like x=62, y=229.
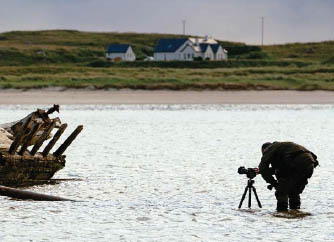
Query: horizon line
x=160, y=33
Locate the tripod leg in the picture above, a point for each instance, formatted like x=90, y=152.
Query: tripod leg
x=249, y=197
x=243, y=197
x=257, y=198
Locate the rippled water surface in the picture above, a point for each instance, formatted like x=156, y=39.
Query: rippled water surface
x=169, y=173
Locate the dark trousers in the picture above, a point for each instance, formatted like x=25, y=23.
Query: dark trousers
x=291, y=186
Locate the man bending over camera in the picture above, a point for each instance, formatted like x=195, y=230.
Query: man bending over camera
x=293, y=165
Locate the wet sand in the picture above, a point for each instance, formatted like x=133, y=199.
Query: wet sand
x=51, y=96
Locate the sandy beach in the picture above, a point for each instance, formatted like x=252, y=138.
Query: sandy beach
x=104, y=97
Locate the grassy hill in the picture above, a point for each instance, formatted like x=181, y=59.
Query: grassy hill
x=59, y=46
x=69, y=58
x=322, y=52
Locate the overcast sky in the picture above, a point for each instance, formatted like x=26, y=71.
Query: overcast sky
x=233, y=20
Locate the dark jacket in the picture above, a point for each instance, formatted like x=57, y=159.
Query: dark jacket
x=284, y=159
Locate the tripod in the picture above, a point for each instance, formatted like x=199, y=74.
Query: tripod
x=249, y=188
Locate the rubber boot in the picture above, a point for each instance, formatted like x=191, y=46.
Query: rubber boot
x=294, y=201
x=282, y=206
x=282, y=201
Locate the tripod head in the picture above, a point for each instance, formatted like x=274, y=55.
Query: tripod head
x=250, y=182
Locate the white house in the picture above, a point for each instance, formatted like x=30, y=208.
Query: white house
x=121, y=52
x=187, y=49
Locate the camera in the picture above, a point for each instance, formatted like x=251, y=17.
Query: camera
x=249, y=172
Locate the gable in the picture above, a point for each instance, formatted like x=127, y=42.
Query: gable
x=204, y=47
x=129, y=50
x=215, y=47
x=188, y=46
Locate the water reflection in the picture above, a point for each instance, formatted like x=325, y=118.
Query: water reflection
x=169, y=173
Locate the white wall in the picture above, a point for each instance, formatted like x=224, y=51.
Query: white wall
x=165, y=56
x=221, y=54
x=187, y=54
x=113, y=56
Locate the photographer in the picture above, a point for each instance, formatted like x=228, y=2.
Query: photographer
x=293, y=165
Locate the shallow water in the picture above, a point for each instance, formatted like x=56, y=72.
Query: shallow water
x=169, y=173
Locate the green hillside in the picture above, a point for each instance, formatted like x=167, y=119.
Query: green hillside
x=59, y=46
x=70, y=46
x=316, y=52
x=30, y=59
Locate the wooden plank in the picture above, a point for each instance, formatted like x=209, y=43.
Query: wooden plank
x=19, y=137
x=43, y=137
x=68, y=141
x=31, y=135
x=54, y=140
x=27, y=195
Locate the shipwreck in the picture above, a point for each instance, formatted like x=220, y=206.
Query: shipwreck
x=22, y=161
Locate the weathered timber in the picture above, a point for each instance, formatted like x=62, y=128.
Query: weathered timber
x=23, y=168
x=17, y=170
x=54, y=140
x=68, y=141
x=27, y=195
x=31, y=135
x=43, y=137
x=20, y=136
x=28, y=183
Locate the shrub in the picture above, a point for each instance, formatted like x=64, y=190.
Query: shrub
x=257, y=55
x=241, y=49
x=198, y=58
x=197, y=64
x=99, y=63
x=329, y=61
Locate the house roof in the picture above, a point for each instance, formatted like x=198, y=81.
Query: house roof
x=118, y=48
x=215, y=47
x=203, y=40
x=169, y=45
x=204, y=47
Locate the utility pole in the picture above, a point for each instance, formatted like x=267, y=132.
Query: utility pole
x=262, y=30
x=184, y=26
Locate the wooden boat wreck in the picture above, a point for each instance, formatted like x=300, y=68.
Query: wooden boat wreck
x=22, y=165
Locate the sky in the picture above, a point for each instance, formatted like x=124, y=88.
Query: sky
x=285, y=21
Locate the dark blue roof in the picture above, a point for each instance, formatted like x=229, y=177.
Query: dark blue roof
x=118, y=48
x=169, y=45
x=215, y=47
x=203, y=47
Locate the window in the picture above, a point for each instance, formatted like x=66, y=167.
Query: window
x=185, y=56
